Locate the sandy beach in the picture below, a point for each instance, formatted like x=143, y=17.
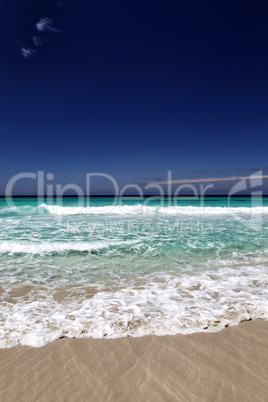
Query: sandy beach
x=230, y=365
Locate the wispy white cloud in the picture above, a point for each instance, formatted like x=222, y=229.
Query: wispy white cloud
x=27, y=52
x=37, y=40
x=45, y=24
x=209, y=179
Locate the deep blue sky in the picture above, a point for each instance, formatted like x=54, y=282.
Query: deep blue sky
x=133, y=88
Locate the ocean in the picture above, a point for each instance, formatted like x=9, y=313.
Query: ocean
x=107, y=268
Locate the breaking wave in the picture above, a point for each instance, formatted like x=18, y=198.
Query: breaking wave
x=140, y=209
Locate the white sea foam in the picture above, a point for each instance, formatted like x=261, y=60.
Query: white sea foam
x=159, y=278
x=23, y=209
x=137, y=209
x=39, y=247
x=140, y=209
x=162, y=305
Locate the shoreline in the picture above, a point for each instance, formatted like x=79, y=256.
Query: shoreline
x=231, y=364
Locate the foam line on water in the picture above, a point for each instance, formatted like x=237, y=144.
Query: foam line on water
x=151, y=210
x=28, y=247
x=162, y=305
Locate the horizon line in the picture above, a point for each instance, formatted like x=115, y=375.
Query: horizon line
x=133, y=195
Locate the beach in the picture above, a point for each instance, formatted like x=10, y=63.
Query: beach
x=146, y=300
x=134, y=201
x=230, y=365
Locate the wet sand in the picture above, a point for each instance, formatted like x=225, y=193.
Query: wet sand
x=231, y=365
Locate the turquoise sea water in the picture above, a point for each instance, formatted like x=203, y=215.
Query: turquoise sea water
x=130, y=267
